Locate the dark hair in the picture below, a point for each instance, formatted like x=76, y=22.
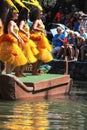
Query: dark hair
x=34, y=14
x=23, y=15
x=9, y=17
x=3, y=10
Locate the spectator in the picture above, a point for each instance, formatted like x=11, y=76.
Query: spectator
x=78, y=42
x=77, y=24
x=84, y=22
x=83, y=32
x=58, y=15
x=83, y=48
x=83, y=51
x=67, y=47
x=57, y=41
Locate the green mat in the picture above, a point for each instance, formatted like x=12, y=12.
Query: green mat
x=37, y=78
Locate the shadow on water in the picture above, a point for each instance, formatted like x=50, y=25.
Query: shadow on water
x=62, y=113
x=79, y=91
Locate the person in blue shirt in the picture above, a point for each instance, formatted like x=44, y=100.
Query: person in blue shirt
x=77, y=24
x=67, y=47
x=57, y=41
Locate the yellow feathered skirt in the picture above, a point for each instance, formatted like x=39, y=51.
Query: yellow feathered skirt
x=10, y=51
x=29, y=49
x=43, y=46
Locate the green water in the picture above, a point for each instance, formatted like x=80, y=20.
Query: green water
x=63, y=113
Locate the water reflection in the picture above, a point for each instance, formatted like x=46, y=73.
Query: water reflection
x=28, y=117
x=69, y=113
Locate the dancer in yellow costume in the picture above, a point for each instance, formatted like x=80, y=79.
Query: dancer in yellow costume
x=38, y=30
x=25, y=35
x=10, y=53
x=38, y=34
x=30, y=48
x=3, y=13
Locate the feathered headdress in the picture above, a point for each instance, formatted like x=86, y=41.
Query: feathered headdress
x=33, y=2
x=12, y=4
x=22, y=5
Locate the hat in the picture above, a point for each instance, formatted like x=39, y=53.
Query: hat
x=34, y=3
x=22, y=5
x=12, y=5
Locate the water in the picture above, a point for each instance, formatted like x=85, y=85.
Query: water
x=64, y=113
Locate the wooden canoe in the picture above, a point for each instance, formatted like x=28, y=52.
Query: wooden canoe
x=32, y=87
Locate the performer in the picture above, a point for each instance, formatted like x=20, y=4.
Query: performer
x=30, y=49
x=10, y=52
x=38, y=34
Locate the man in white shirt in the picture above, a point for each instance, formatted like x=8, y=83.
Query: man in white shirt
x=84, y=22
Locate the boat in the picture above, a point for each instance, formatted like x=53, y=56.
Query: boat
x=44, y=86
x=76, y=69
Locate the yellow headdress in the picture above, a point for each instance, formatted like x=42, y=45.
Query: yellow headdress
x=33, y=2
x=22, y=5
x=12, y=4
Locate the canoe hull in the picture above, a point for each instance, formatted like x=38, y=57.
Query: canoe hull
x=11, y=89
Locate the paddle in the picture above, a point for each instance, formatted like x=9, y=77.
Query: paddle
x=66, y=56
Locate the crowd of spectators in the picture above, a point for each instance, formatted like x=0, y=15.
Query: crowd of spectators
x=76, y=41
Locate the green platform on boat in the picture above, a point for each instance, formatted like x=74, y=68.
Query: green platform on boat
x=36, y=78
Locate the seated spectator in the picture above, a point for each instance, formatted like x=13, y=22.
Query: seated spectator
x=83, y=32
x=75, y=44
x=78, y=42
x=57, y=41
x=83, y=50
x=84, y=22
x=71, y=47
x=67, y=47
